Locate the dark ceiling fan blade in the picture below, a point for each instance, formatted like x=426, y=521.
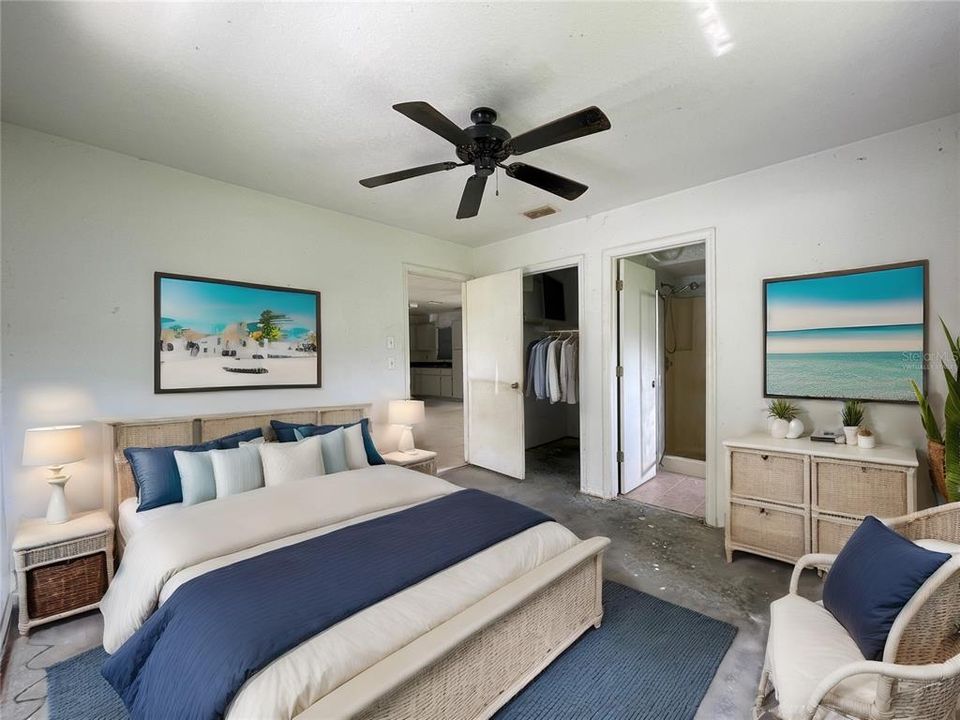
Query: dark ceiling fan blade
x=583, y=122
x=433, y=119
x=379, y=180
x=565, y=188
x=472, y=195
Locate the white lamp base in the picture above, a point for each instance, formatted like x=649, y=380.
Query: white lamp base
x=406, y=440
x=57, y=510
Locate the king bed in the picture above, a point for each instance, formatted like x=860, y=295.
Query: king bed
x=454, y=601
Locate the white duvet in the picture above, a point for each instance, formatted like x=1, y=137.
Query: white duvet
x=174, y=549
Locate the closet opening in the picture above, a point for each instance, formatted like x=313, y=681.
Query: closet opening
x=435, y=348
x=551, y=390
x=661, y=376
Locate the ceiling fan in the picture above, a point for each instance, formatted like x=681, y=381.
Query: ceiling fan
x=486, y=146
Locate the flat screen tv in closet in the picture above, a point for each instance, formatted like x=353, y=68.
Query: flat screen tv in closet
x=553, y=300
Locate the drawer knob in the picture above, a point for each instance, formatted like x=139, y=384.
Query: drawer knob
x=763, y=511
x=764, y=457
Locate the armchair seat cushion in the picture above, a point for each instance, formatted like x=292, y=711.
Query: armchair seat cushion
x=806, y=643
x=941, y=546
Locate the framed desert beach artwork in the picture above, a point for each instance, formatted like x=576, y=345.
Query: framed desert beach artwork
x=857, y=334
x=221, y=335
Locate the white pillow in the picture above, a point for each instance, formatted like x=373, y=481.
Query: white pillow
x=237, y=470
x=256, y=441
x=353, y=443
x=283, y=462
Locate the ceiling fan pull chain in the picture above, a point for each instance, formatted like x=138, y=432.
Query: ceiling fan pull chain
x=497, y=171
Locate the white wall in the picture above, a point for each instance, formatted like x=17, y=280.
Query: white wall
x=84, y=230
x=886, y=199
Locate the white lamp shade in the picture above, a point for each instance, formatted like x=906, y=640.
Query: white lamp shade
x=53, y=445
x=406, y=412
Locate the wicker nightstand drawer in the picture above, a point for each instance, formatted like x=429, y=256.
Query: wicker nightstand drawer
x=859, y=489
x=767, y=530
x=768, y=476
x=66, y=585
x=52, y=553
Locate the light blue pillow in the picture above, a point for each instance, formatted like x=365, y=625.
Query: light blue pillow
x=236, y=471
x=333, y=449
x=196, y=476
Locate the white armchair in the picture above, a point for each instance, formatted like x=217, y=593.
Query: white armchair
x=814, y=665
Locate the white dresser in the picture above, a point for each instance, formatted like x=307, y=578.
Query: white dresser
x=792, y=497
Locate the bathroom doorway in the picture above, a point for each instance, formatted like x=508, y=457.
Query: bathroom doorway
x=661, y=372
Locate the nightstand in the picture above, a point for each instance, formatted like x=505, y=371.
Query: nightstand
x=424, y=461
x=62, y=569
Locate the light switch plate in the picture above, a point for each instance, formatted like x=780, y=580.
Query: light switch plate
x=391, y=343
x=391, y=363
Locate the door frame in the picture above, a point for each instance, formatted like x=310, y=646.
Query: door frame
x=577, y=261
x=409, y=269
x=715, y=490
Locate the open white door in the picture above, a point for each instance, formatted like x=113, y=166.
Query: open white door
x=493, y=372
x=637, y=371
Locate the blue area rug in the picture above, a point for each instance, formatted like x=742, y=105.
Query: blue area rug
x=650, y=660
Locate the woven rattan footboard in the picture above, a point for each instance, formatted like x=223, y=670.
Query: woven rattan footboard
x=469, y=667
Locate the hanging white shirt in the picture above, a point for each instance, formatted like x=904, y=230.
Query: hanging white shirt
x=569, y=364
x=553, y=371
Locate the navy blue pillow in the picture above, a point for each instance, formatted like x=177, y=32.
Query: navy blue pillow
x=284, y=430
x=285, y=433
x=232, y=442
x=873, y=577
x=156, y=475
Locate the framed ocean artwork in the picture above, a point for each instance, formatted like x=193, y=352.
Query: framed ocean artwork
x=221, y=335
x=853, y=334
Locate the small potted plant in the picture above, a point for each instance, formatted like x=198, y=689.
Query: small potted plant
x=866, y=439
x=851, y=417
x=785, y=423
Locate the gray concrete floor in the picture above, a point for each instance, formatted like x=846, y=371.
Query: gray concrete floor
x=671, y=556
x=668, y=555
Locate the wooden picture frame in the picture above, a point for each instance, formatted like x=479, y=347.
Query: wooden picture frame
x=212, y=334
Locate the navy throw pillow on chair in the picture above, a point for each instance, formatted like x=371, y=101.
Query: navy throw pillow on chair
x=873, y=577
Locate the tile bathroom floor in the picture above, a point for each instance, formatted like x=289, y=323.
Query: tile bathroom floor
x=672, y=491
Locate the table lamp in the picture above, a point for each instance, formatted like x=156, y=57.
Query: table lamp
x=54, y=447
x=406, y=413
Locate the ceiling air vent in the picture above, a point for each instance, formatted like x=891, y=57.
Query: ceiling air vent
x=540, y=212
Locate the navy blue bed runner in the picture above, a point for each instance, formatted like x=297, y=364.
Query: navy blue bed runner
x=194, y=653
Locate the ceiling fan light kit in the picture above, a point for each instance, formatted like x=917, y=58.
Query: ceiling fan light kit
x=486, y=146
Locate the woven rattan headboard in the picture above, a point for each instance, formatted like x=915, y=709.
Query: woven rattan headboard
x=190, y=430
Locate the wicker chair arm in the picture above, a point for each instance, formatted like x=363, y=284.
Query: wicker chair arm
x=938, y=523
x=934, y=672
x=818, y=560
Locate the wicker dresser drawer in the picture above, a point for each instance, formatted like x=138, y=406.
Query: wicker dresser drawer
x=859, y=489
x=830, y=534
x=768, y=530
x=66, y=585
x=767, y=476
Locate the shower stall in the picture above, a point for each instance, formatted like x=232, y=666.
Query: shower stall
x=682, y=389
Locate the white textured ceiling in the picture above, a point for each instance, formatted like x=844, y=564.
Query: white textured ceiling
x=295, y=99
x=433, y=294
